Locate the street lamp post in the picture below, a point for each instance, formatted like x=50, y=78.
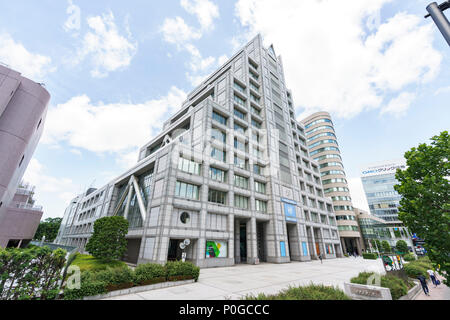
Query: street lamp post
x=436, y=12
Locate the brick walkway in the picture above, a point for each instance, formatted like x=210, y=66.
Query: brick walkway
x=442, y=292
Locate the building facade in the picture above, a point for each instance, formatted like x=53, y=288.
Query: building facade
x=324, y=148
x=378, y=181
x=23, y=107
x=226, y=172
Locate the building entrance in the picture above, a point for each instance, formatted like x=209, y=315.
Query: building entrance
x=175, y=252
x=243, y=242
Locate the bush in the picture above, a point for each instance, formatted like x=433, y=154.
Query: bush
x=371, y=256
x=386, y=247
x=149, y=273
x=413, y=270
x=401, y=246
x=409, y=257
x=178, y=270
x=89, y=287
x=108, y=240
x=397, y=286
x=33, y=273
x=88, y=263
x=311, y=292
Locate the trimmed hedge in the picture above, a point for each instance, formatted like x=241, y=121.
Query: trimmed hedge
x=409, y=257
x=397, y=286
x=418, y=267
x=370, y=256
x=103, y=281
x=149, y=273
x=311, y=292
x=178, y=270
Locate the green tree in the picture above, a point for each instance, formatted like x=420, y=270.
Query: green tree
x=48, y=228
x=108, y=240
x=378, y=245
x=386, y=247
x=401, y=246
x=424, y=207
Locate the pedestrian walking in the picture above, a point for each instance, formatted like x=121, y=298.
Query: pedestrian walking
x=423, y=282
x=320, y=257
x=432, y=277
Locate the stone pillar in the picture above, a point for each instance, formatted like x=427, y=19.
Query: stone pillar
x=358, y=245
x=252, y=246
x=237, y=240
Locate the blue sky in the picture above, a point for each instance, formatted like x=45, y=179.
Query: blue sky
x=116, y=70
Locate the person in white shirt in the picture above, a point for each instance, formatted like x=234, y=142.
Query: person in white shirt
x=432, y=277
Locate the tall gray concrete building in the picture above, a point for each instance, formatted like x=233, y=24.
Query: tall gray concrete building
x=230, y=172
x=324, y=148
x=23, y=107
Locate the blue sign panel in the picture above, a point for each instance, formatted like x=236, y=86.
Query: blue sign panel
x=283, y=248
x=305, y=249
x=289, y=212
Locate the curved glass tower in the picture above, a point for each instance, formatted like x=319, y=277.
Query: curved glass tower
x=324, y=148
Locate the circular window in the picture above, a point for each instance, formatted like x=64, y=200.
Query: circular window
x=185, y=217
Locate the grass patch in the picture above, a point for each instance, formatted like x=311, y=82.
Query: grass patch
x=311, y=292
x=88, y=263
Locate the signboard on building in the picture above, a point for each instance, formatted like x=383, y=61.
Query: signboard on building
x=387, y=167
x=216, y=249
x=289, y=209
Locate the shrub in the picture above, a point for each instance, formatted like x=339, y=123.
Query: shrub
x=311, y=292
x=149, y=273
x=89, y=287
x=414, y=270
x=397, y=286
x=33, y=273
x=401, y=246
x=386, y=247
x=371, y=256
x=409, y=257
x=108, y=240
x=178, y=270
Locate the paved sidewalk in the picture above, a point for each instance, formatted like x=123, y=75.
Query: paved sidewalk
x=441, y=292
x=240, y=280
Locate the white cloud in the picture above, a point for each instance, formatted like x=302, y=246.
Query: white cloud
x=117, y=127
x=357, y=194
x=442, y=90
x=108, y=50
x=205, y=10
x=176, y=31
x=15, y=55
x=54, y=192
x=343, y=66
x=399, y=105
x=73, y=22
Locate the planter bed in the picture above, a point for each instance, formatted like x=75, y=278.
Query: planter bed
x=138, y=289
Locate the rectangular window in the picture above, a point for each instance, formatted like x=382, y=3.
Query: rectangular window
x=257, y=169
x=219, y=118
x=239, y=100
x=240, y=163
x=217, y=174
x=189, y=166
x=256, y=124
x=261, y=206
x=216, y=196
x=186, y=190
x=239, y=128
x=239, y=145
x=241, y=182
x=218, y=154
x=239, y=114
x=260, y=187
x=239, y=88
x=255, y=111
x=218, y=135
x=240, y=201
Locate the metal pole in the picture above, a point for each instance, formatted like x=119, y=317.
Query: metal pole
x=440, y=20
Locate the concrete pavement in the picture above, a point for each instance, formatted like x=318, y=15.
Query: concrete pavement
x=238, y=281
x=441, y=292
